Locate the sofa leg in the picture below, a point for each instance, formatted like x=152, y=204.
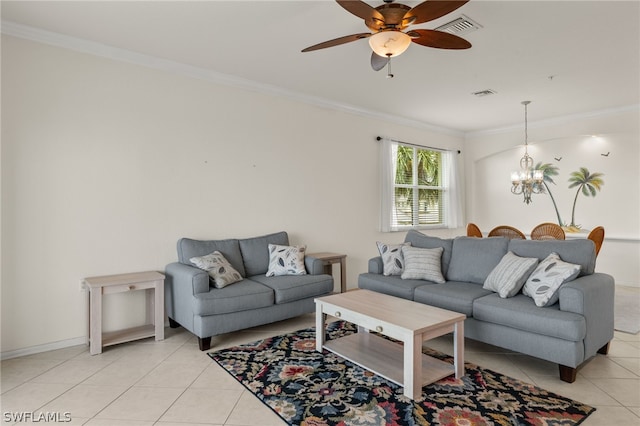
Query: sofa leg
x=567, y=374
x=605, y=349
x=173, y=323
x=204, y=343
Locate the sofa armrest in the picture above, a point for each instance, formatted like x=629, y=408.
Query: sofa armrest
x=185, y=278
x=591, y=296
x=314, y=265
x=375, y=265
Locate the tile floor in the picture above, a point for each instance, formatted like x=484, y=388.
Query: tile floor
x=172, y=383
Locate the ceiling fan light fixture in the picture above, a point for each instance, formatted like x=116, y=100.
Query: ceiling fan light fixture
x=389, y=43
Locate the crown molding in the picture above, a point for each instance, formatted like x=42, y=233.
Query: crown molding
x=557, y=120
x=123, y=55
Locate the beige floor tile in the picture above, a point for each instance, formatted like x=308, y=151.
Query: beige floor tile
x=621, y=349
x=612, y=416
x=31, y=396
x=189, y=354
x=533, y=367
x=71, y=371
x=85, y=400
x=60, y=354
x=215, y=377
x=184, y=424
x=123, y=372
x=602, y=366
x=60, y=419
x=203, y=406
x=172, y=375
x=582, y=390
x=627, y=337
x=23, y=369
x=141, y=404
x=625, y=391
x=250, y=408
x=499, y=363
x=114, y=422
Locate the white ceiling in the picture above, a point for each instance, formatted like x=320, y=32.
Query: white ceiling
x=567, y=57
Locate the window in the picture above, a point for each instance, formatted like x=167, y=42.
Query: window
x=418, y=188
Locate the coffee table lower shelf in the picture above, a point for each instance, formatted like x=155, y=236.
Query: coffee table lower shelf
x=385, y=357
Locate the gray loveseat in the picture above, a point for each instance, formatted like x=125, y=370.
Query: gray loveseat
x=197, y=305
x=568, y=332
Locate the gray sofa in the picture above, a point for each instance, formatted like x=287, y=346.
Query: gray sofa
x=192, y=302
x=568, y=332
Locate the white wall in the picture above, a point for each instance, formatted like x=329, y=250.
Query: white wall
x=492, y=156
x=106, y=164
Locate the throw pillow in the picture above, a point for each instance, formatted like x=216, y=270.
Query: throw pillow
x=286, y=260
x=392, y=259
x=219, y=269
x=544, y=283
x=508, y=277
x=422, y=264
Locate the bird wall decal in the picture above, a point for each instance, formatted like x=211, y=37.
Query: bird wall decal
x=606, y=155
x=557, y=159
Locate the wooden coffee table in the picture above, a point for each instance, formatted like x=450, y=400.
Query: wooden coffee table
x=404, y=320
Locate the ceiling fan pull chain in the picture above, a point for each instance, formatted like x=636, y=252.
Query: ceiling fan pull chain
x=389, y=75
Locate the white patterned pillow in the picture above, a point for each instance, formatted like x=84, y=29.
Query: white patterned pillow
x=392, y=258
x=544, y=283
x=286, y=260
x=422, y=264
x=508, y=277
x=219, y=269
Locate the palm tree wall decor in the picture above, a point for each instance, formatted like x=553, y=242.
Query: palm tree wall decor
x=587, y=183
x=548, y=171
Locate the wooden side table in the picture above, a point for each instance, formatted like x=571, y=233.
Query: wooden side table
x=151, y=282
x=331, y=258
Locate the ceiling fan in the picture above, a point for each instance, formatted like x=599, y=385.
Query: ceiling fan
x=388, y=22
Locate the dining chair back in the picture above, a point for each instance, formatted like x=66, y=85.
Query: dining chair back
x=507, y=232
x=597, y=236
x=547, y=231
x=473, y=230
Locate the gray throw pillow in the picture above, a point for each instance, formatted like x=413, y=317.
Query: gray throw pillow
x=392, y=259
x=508, y=277
x=422, y=264
x=286, y=260
x=544, y=283
x=219, y=269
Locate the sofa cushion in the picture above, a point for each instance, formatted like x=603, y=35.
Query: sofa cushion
x=521, y=313
x=422, y=264
x=392, y=258
x=286, y=260
x=509, y=276
x=230, y=249
x=544, y=283
x=418, y=239
x=452, y=295
x=242, y=296
x=218, y=268
x=289, y=288
x=580, y=251
x=392, y=285
x=473, y=259
x=255, y=251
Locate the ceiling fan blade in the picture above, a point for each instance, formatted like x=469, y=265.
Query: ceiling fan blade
x=361, y=9
x=378, y=62
x=337, y=41
x=438, y=39
x=431, y=9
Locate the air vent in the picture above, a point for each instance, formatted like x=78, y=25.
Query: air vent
x=486, y=92
x=462, y=25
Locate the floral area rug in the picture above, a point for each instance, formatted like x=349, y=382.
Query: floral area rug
x=308, y=388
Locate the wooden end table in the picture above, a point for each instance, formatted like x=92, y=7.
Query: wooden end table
x=151, y=282
x=331, y=258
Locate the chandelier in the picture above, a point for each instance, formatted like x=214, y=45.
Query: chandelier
x=528, y=180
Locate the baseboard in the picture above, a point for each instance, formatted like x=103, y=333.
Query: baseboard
x=44, y=348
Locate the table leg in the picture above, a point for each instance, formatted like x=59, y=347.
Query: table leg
x=95, y=321
x=320, y=333
x=458, y=349
x=343, y=275
x=413, y=367
x=158, y=292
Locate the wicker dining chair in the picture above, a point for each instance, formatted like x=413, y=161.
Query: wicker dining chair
x=473, y=230
x=507, y=232
x=597, y=236
x=547, y=231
